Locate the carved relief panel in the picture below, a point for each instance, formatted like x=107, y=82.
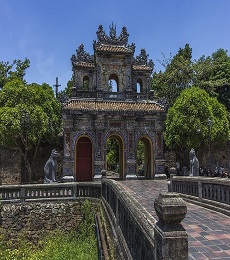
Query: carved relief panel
x=67, y=144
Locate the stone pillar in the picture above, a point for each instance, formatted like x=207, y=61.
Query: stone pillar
x=98, y=177
x=171, y=239
x=68, y=174
x=160, y=170
x=131, y=170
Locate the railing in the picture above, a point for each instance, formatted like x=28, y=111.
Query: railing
x=43, y=192
x=190, y=188
x=137, y=233
x=107, y=95
x=204, y=188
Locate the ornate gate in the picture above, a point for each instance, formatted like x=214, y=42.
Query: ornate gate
x=98, y=109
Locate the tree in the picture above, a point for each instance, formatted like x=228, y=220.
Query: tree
x=65, y=94
x=14, y=70
x=212, y=73
x=177, y=76
x=187, y=122
x=17, y=99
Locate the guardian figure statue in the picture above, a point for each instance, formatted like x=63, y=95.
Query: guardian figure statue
x=194, y=163
x=50, y=168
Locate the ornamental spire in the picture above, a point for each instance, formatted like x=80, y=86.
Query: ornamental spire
x=112, y=38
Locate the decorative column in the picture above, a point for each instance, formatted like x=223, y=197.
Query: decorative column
x=131, y=162
x=171, y=239
x=99, y=163
x=159, y=162
x=68, y=161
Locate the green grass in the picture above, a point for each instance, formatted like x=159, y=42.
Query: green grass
x=57, y=245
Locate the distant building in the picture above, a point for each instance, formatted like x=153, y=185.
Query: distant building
x=111, y=98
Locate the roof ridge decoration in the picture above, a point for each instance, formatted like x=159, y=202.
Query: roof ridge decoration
x=113, y=39
x=142, y=59
x=82, y=56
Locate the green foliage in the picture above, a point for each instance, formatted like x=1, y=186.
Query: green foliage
x=67, y=92
x=112, y=156
x=186, y=122
x=210, y=73
x=140, y=152
x=57, y=245
x=15, y=70
x=80, y=244
x=176, y=77
x=18, y=98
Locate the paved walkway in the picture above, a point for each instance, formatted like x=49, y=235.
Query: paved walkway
x=208, y=231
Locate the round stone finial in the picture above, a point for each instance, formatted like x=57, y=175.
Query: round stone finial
x=170, y=208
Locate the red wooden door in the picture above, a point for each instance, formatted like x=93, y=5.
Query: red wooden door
x=84, y=160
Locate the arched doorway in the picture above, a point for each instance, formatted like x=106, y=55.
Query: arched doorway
x=86, y=83
x=84, y=159
x=113, y=83
x=115, y=155
x=145, y=158
x=139, y=86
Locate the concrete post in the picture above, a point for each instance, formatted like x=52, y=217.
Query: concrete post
x=171, y=239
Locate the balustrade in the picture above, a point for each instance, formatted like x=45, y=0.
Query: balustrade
x=213, y=189
x=129, y=221
x=135, y=227
x=43, y=192
x=122, y=96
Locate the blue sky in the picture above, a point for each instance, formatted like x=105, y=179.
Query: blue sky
x=48, y=32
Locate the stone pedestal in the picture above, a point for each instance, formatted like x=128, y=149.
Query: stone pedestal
x=131, y=169
x=160, y=170
x=131, y=177
x=68, y=175
x=67, y=179
x=98, y=177
x=171, y=239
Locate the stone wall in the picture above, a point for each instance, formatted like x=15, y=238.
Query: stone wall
x=35, y=219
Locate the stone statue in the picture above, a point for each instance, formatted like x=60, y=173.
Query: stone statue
x=50, y=168
x=194, y=163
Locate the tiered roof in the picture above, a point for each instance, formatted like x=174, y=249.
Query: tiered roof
x=112, y=44
x=113, y=106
